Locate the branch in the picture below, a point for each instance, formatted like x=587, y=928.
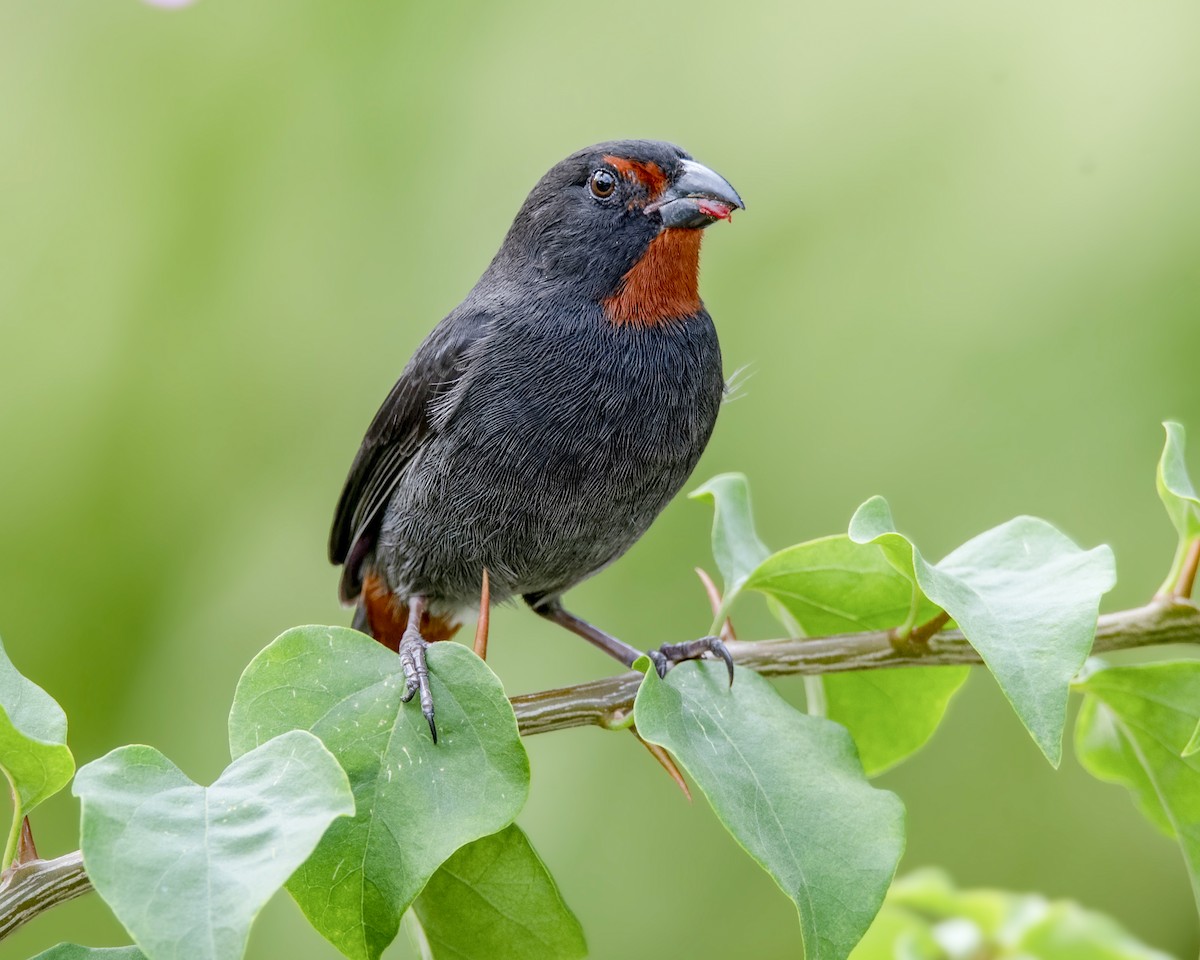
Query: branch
x=608, y=702
x=32, y=888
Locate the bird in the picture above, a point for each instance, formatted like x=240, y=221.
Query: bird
x=546, y=421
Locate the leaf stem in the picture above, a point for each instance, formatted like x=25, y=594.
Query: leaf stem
x=485, y=609
x=916, y=637
x=714, y=601
x=1187, y=576
x=816, y=704
x=14, y=832
x=666, y=761
x=1182, y=579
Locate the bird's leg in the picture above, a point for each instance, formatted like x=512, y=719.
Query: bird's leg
x=553, y=611
x=412, y=659
x=663, y=658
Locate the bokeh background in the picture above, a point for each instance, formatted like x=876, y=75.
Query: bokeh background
x=968, y=279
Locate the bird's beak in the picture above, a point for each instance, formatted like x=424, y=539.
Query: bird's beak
x=697, y=198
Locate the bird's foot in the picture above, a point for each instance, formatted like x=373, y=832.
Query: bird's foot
x=669, y=654
x=416, y=674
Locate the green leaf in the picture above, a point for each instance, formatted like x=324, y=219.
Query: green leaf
x=33, y=745
x=1063, y=930
x=931, y=920
x=1179, y=496
x=930, y=892
x=418, y=801
x=735, y=545
x=495, y=900
x=1109, y=756
x=790, y=790
x=187, y=868
x=898, y=935
x=891, y=713
x=72, y=951
x=1175, y=487
x=1024, y=596
x=1133, y=729
x=872, y=523
x=834, y=585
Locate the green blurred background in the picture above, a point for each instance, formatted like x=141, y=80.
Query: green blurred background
x=968, y=279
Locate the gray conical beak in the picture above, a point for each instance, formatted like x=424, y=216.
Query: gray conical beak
x=696, y=198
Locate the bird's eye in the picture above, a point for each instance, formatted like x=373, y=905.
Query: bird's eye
x=602, y=184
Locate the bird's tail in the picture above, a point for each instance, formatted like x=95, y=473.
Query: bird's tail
x=359, y=622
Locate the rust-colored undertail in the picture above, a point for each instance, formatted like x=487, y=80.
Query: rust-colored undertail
x=387, y=616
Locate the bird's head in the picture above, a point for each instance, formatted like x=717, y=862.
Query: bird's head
x=620, y=224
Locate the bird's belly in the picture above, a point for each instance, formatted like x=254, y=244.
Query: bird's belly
x=556, y=456
x=541, y=510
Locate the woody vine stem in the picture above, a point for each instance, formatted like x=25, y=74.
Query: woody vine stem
x=31, y=888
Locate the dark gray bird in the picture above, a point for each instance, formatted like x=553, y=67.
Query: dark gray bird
x=542, y=426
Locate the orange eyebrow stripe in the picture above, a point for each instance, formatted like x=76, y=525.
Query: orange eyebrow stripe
x=646, y=172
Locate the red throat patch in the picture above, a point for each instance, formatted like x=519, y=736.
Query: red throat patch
x=387, y=616
x=664, y=285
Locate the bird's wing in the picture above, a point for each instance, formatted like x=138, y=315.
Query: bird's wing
x=403, y=422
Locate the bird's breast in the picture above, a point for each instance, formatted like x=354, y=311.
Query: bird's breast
x=565, y=443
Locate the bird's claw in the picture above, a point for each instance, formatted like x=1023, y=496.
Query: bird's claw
x=416, y=675
x=670, y=654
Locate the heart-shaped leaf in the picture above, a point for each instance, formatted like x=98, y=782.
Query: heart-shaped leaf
x=1024, y=596
x=789, y=788
x=891, y=713
x=417, y=801
x=1179, y=496
x=72, y=951
x=1132, y=729
x=187, y=868
x=834, y=585
x=494, y=899
x=33, y=745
